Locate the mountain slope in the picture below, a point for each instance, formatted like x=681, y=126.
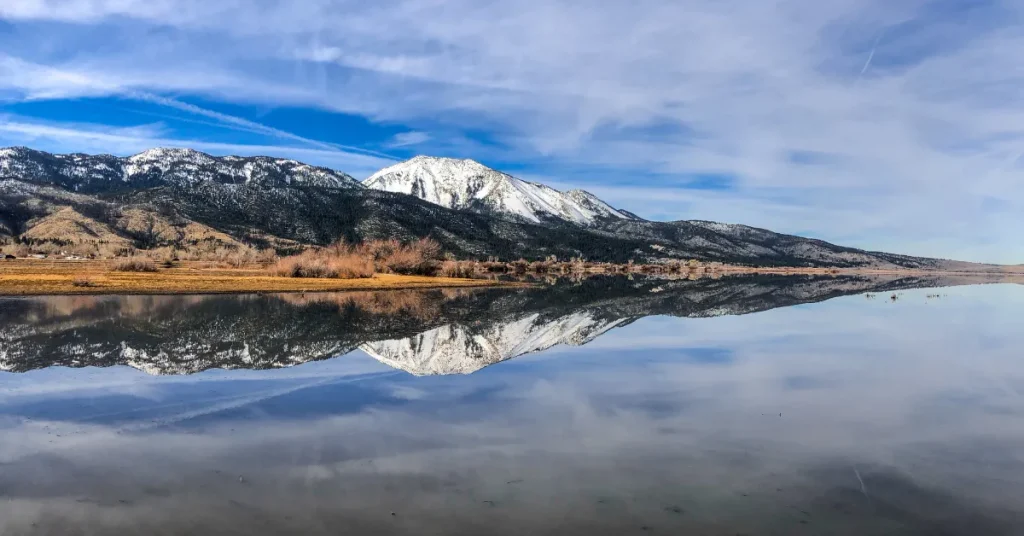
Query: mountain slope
x=38, y=214
x=67, y=225
x=732, y=243
x=469, y=185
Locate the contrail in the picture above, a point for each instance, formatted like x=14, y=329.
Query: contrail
x=247, y=125
x=871, y=55
x=863, y=488
x=247, y=400
x=224, y=404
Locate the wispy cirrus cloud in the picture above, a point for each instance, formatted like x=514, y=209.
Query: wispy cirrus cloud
x=405, y=139
x=915, y=132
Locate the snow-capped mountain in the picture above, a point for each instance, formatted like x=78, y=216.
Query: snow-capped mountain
x=160, y=167
x=471, y=210
x=464, y=348
x=470, y=185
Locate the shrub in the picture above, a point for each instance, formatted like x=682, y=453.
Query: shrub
x=330, y=262
x=404, y=261
x=352, y=267
x=376, y=250
x=237, y=257
x=426, y=248
x=465, y=269
x=419, y=257
x=134, y=264
x=306, y=264
x=83, y=282
x=344, y=260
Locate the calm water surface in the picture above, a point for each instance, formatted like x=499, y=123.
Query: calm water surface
x=755, y=406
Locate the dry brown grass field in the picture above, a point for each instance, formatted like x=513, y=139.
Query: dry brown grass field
x=49, y=277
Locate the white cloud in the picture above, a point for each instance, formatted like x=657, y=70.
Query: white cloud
x=405, y=139
x=917, y=131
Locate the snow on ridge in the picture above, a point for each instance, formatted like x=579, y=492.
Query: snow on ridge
x=716, y=226
x=467, y=184
x=165, y=164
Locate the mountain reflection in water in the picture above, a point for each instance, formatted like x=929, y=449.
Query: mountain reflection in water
x=421, y=332
x=619, y=415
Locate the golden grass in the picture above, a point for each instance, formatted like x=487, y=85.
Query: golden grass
x=81, y=281
x=55, y=277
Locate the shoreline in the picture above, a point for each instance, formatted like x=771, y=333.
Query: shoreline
x=49, y=277
x=866, y=271
x=44, y=277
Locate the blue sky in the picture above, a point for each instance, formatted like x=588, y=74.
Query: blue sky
x=888, y=125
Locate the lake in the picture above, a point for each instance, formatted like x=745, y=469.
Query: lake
x=753, y=405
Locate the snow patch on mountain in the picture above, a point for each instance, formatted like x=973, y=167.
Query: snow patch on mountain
x=470, y=185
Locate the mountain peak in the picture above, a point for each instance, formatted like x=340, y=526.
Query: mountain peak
x=442, y=159
x=443, y=165
x=167, y=153
x=465, y=184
